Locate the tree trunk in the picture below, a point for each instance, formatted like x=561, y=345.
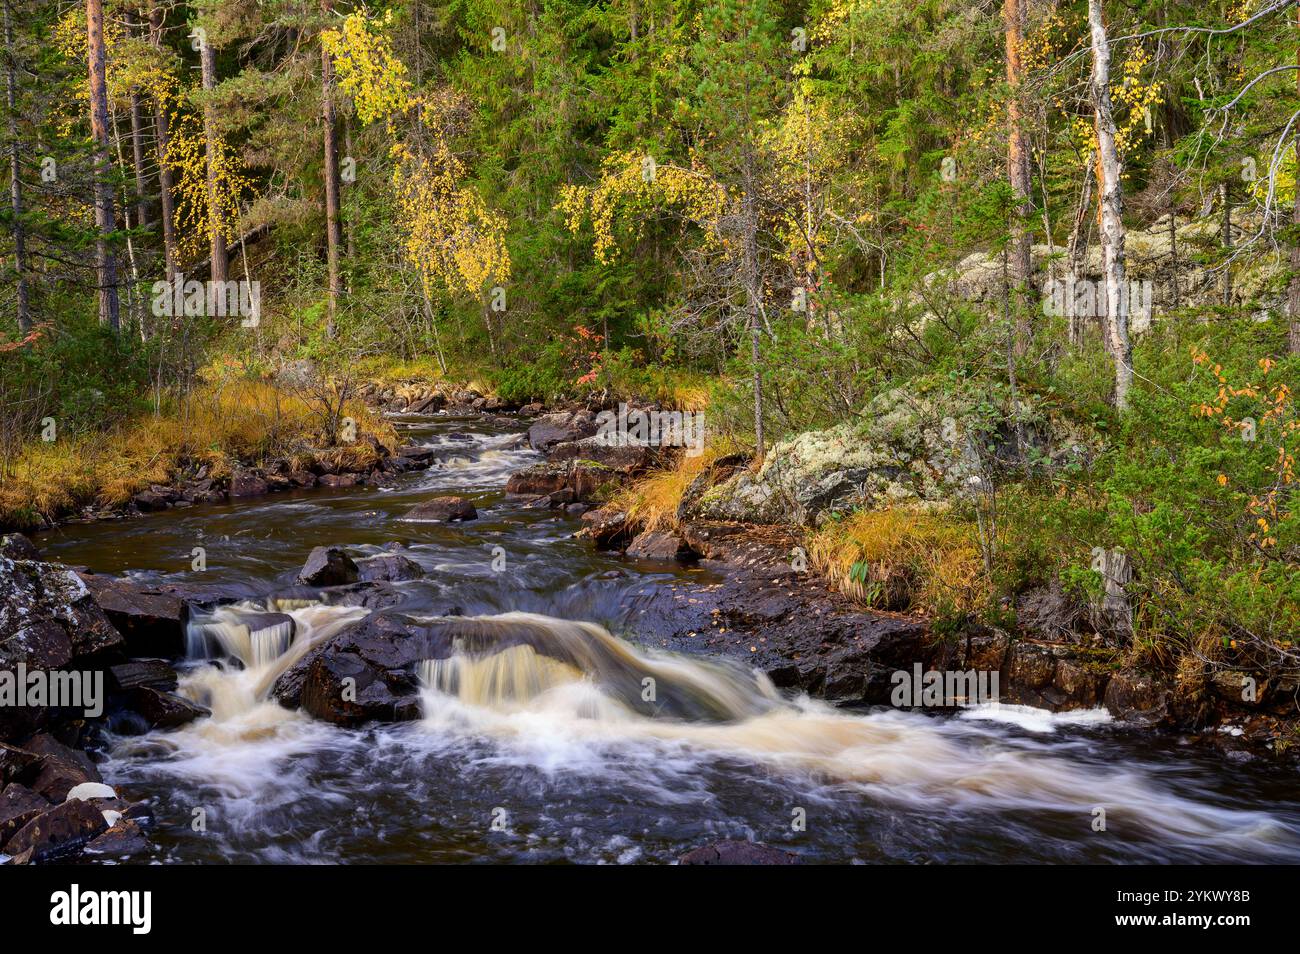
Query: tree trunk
x=332, y=217
x=218, y=261
x=162, y=136
x=1018, y=174
x=1225, y=194
x=1112, y=206
x=105, y=262
x=137, y=145
x=15, y=184
x=1078, y=252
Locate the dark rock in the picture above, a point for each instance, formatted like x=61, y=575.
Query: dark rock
x=163, y=710
x=533, y=409
x=61, y=768
x=17, y=547
x=739, y=853
x=659, y=545
x=302, y=478
x=328, y=566
x=338, y=480
x=18, y=806
x=149, y=500
x=608, y=529
x=418, y=455
x=577, y=509
x=389, y=568
x=582, y=479
x=123, y=840
x=48, y=616
x=57, y=832
x=552, y=429
x=625, y=458
x=427, y=404
x=151, y=621
x=152, y=673
x=48, y=620
x=1141, y=699
x=442, y=510
x=248, y=485
x=16, y=764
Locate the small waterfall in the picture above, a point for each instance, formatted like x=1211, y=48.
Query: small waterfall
x=266, y=642
x=245, y=631
x=502, y=662
x=513, y=675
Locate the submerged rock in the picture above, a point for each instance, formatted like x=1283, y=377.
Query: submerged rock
x=739, y=853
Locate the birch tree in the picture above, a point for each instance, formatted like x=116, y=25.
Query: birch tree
x=1112, y=206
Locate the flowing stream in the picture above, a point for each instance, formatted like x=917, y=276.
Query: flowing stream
x=550, y=751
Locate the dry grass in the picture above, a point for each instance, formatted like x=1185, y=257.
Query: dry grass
x=919, y=561
x=245, y=420
x=651, y=502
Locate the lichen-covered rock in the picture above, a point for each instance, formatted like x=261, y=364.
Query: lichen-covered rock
x=906, y=447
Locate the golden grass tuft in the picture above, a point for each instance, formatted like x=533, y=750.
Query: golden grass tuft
x=915, y=560
x=246, y=420
x=652, y=502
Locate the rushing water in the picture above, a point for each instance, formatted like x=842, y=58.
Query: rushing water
x=550, y=750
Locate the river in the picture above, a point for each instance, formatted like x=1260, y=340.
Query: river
x=520, y=760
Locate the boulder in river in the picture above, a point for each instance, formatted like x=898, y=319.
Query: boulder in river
x=163, y=710
x=389, y=568
x=328, y=566
x=551, y=429
x=151, y=621
x=581, y=478
x=447, y=509
x=625, y=457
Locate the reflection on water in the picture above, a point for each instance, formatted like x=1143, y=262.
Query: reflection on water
x=570, y=743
